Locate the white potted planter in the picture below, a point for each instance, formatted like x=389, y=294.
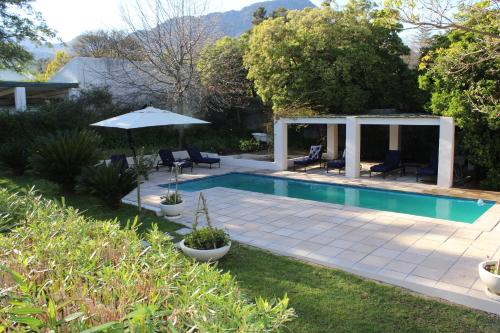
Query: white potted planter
x=491, y=280
x=205, y=255
x=171, y=203
x=206, y=238
x=172, y=210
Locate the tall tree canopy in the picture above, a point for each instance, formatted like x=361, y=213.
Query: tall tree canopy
x=104, y=44
x=330, y=61
x=461, y=72
x=222, y=72
x=19, y=21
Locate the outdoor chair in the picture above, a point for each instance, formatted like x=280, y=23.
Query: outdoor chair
x=392, y=162
x=336, y=164
x=167, y=159
x=313, y=158
x=119, y=160
x=196, y=157
x=430, y=170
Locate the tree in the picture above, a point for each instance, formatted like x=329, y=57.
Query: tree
x=100, y=43
x=60, y=59
x=169, y=35
x=460, y=71
x=441, y=14
x=19, y=21
x=330, y=61
x=259, y=15
x=224, y=76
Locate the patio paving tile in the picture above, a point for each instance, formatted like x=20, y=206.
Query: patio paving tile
x=350, y=256
x=344, y=244
x=400, y=266
x=411, y=258
x=392, y=274
x=374, y=260
x=460, y=278
x=302, y=235
x=421, y=280
x=382, y=252
x=429, y=273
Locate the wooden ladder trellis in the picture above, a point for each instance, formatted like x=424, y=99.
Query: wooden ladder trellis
x=201, y=208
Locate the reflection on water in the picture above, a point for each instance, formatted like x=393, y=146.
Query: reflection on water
x=453, y=209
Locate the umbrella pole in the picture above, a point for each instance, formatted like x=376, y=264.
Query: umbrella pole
x=131, y=144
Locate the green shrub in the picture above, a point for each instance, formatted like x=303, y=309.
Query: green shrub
x=60, y=157
x=206, y=238
x=107, y=182
x=249, y=145
x=62, y=272
x=171, y=199
x=14, y=156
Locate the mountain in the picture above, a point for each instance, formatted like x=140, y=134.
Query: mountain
x=44, y=51
x=235, y=22
x=231, y=23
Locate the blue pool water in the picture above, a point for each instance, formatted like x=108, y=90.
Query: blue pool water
x=448, y=208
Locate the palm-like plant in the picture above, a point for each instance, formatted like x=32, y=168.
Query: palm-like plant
x=60, y=157
x=107, y=182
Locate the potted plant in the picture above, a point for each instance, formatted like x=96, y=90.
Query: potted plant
x=207, y=243
x=489, y=272
x=171, y=203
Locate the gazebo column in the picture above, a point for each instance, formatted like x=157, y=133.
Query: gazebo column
x=446, y=151
x=394, y=131
x=332, y=140
x=353, y=147
x=20, y=98
x=281, y=145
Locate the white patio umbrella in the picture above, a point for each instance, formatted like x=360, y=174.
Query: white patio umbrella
x=148, y=117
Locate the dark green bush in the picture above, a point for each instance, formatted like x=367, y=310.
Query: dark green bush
x=107, y=182
x=206, y=239
x=14, y=156
x=249, y=145
x=60, y=157
x=61, y=272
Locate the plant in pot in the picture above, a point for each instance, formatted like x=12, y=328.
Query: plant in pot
x=489, y=272
x=207, y=243
x=171, y=203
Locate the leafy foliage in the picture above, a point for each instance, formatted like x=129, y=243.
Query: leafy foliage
x=60, y=59
x=63, y=272
x=248, y=145
x=206, y=238
x=107, y=182
x=19, y=21
x=460, y=71
x=14, y=155
x=171, y=199
x=60, y=157
x=331, y=61
x=223, y=74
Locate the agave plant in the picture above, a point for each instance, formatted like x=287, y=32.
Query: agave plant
x=60, y=157
x=107, y=182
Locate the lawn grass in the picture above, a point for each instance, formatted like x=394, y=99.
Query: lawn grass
x=325, y=300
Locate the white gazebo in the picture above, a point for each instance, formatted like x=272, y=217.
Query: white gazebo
x=353, y=139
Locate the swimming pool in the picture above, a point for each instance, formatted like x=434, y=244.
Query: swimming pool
x=442, y=207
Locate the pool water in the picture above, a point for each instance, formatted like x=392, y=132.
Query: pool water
x=442, y=207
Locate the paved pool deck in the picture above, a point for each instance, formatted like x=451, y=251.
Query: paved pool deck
x=437, y=258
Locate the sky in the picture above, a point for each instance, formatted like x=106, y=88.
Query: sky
x=72, y=17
